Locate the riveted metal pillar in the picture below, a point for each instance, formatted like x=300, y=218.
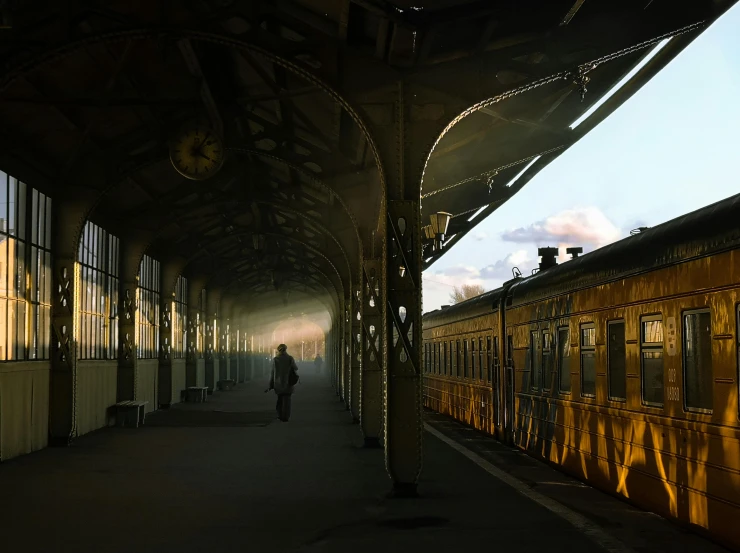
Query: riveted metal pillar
x=164, y=387
x=371, y=397
x=131, y=255
x=356, y=353
x=403, y=412
x=194, y=355
x=67, y=221
x=347, y=351
x=212, y=339
x=224, y=353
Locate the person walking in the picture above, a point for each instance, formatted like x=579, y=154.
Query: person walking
x=283, y=379
x=318, y=363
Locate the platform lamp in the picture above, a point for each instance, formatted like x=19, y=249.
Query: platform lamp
x=440, y=222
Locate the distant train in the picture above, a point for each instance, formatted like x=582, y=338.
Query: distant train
x=619, y=366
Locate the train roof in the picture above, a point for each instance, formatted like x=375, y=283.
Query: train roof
x=474, y=307
x=703, y=232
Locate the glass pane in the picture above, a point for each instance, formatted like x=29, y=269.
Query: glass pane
x=3, y=202
x=22, y=210
x=34, y=275
x=11, y=266
x=652, y=377
x=588, y=337
x=547, y=361
x=652, y=332
x=588, y=374
x=535, y=361
x=12, y=194
x=698, y=383
x=47, y=224
x=12, y=329
x=20, y=330
x=4, y=265
x=3, y=329
x=35, y=216
x=564, y=359
x=617, y=362
x=21, y=277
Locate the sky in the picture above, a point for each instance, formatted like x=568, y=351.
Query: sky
x=668, y=150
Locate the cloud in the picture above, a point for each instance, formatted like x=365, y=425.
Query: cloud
x=480, y=235
x=502, y=269
x=581, y=227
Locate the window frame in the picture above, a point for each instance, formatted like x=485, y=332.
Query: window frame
x=611, y=396
x=535, y=357
x=559, y=361
x=481, y=359
x=99, y=343
x=546, y=386
x=466, y=353
x=489, y=357
x=149, y=294
x=454, y=345
x=473, y=356
x=584, y=350
x=647, y=346
x=684, y=314
x=180, y=318
x=444, y=358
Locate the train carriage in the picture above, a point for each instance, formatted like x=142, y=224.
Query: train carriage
x=624, y=366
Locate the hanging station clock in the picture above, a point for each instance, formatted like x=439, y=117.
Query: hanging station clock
x=197, y=154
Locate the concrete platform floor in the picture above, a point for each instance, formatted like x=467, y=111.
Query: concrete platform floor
x=227, y=476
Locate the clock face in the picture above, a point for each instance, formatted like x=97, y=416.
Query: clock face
x=197, y=154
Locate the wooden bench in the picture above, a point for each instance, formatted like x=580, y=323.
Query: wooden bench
x=131, y=413
x=196, y=394
x=226, y=384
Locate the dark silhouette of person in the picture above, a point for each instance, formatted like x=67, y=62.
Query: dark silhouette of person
x=283, y=379
x=318, y=363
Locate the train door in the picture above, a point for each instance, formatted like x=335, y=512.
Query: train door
x=494, y=368
x=509, y=389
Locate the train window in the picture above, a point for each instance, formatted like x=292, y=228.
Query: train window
x=588, y=361
x=616, y=361
x=564, y=359
x=488, y=357
x=547, y=364
x=465, y=358
x=481, y=359
x=472, y=358
x=496, y=360
x=535, y=365
x=444, y=357
x=454, y=345
x=437, y=360
x=697, y=360
x=426, y=358
x=651, y=335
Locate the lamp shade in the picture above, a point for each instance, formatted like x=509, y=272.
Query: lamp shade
x=428, y=232
x=440, y=221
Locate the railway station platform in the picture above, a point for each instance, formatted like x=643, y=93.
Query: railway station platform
x=226, y=476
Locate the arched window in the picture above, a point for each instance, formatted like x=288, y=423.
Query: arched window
x=148, y=308
x=99, y=277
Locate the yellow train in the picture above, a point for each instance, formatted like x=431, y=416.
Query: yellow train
x=619, y=366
